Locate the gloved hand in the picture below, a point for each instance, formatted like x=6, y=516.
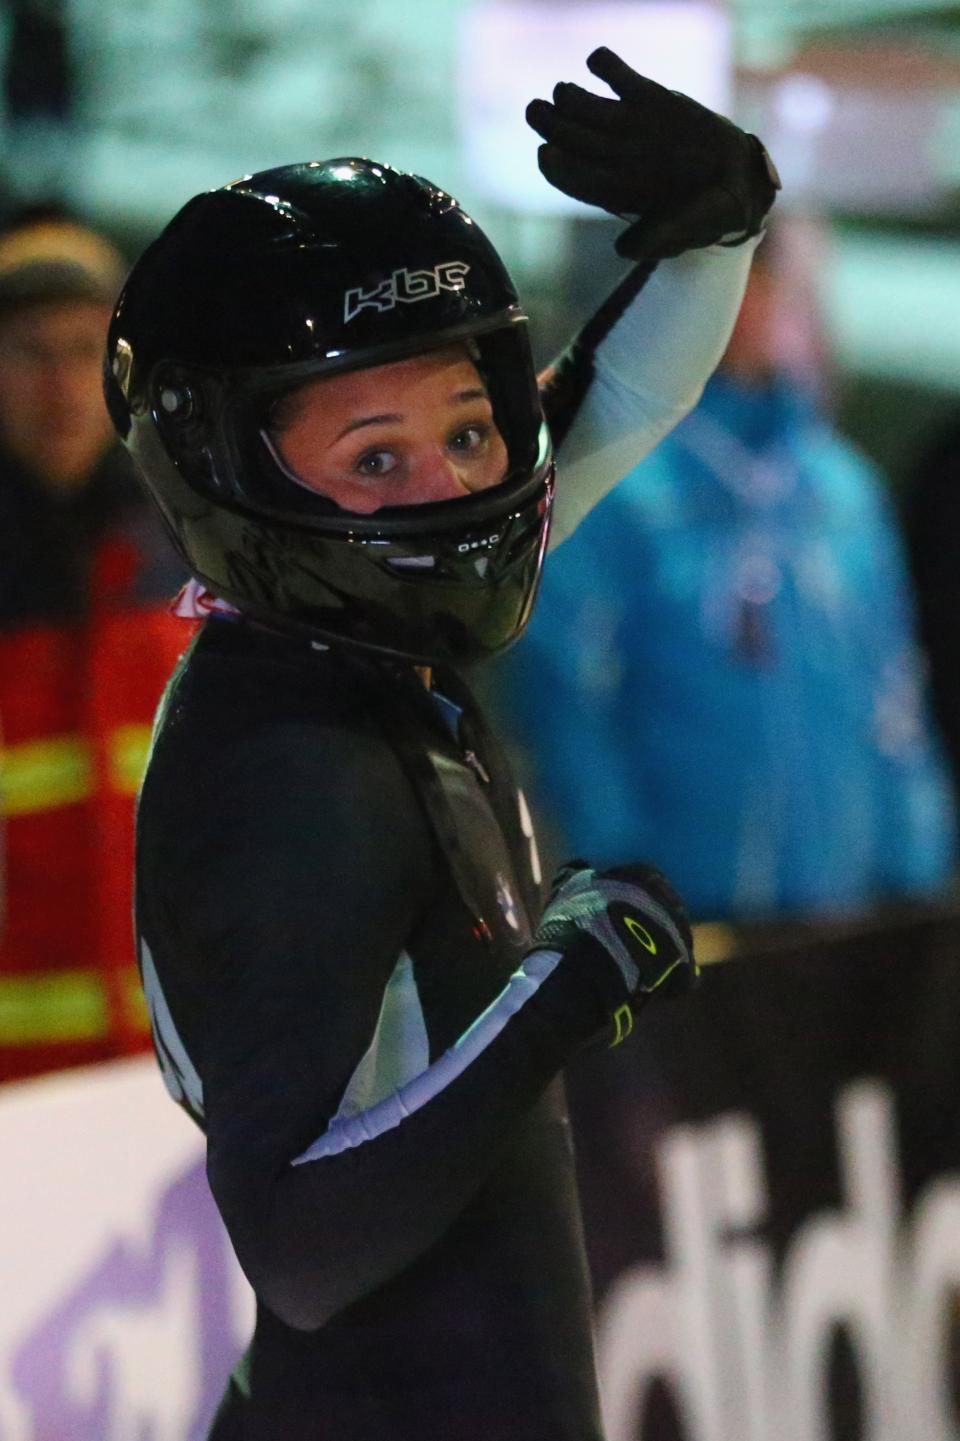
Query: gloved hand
x=691, y=177
x=628, y=931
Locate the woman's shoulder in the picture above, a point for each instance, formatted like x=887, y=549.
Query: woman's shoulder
x=268, y=769
x=245, y=676
x=246, y=703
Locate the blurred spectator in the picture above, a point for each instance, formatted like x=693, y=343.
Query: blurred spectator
x=722, y=670
x=933, y=535
x=86, y=642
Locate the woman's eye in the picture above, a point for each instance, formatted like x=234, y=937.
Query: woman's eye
x=471, y=437
x=376, y=462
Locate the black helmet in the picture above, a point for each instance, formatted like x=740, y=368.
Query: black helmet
x=305, y=271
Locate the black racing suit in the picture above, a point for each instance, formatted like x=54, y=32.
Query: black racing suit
x=318, y=951
x=335, y=880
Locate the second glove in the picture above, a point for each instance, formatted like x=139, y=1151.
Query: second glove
x=627, y=928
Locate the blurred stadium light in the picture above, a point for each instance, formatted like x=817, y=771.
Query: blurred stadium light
x=894, y=309
x=175, y=96
x=859, y=100
x=683, y=44
x=863, y=128
x=170, y=96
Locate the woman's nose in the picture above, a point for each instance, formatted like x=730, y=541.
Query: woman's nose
x=438, y=478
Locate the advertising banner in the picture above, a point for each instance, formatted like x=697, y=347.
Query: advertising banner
x=770, y=1172
x=771, y=1181
x=122, y=1309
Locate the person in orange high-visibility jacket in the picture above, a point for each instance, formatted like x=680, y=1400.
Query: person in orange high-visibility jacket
x=86, y=644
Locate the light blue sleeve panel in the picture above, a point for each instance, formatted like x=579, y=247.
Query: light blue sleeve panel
x=648, y=373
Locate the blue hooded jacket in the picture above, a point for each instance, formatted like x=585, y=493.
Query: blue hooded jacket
x=721, y=674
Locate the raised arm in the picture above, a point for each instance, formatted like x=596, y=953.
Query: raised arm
x=695, y=190
x=636, y=369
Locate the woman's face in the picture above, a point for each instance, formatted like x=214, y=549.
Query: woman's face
x=407, y=433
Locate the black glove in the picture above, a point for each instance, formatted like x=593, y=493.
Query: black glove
x=692, y=177
x=626, y=928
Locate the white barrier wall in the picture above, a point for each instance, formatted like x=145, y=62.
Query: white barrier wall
x=122, y=1309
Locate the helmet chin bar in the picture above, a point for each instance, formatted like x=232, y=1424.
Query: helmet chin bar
x=457, y=597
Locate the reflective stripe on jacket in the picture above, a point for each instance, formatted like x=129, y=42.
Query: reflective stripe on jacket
x=76, y=707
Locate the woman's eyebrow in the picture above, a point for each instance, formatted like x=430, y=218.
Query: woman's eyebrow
x=368, y=420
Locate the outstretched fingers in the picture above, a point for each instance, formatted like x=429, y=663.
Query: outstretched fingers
x=600, y=112
x=559, y=129
x=623, y=79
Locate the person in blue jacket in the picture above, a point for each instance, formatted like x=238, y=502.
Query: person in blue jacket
x=722, y=664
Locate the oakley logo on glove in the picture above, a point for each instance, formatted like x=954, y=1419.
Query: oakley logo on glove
x=626, y=928
x=641, y=934
x=406, y=287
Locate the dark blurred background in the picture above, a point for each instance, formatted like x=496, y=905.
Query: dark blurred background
x=764, y=659
x=124, y=111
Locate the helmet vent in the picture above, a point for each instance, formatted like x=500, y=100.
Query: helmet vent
x=176, y=402
x=412, y=562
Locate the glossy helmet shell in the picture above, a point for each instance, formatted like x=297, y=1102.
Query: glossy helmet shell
x=304, y=271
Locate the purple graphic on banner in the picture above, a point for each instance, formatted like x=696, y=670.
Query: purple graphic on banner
x=85, y=1372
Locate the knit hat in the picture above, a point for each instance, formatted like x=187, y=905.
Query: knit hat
x=57, y=260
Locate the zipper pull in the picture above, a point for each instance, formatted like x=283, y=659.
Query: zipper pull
x=477, y=766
